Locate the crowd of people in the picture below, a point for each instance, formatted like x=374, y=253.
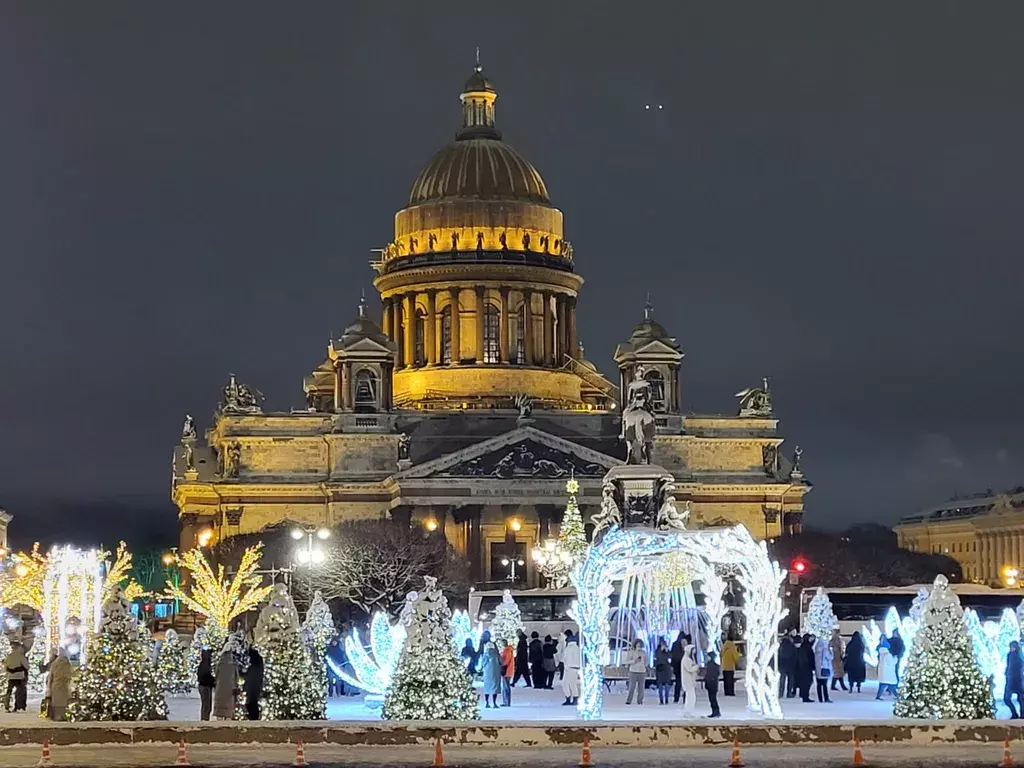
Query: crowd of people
x=57, y=691
x=825, y=664
x=533, y=661
x=218, y=688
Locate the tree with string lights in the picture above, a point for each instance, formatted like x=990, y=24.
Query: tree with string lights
x=291, y=687
x=173, y=668
x=317, y=631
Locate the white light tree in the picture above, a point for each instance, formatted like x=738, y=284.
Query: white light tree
x=291, y=689
x=430, y=682
x=317, y=631
x=508, y=620
x=173, y=668
x=820, y=620
x=943, y=678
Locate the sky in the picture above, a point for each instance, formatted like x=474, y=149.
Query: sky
x=829, y=196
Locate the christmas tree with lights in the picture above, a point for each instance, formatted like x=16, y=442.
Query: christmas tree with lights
x=820, y=619
x=317, y=631
x=943, y=679
x=118, y=681
x=508, y=621
x=430, y=682
x=557, y=557
x=173, y=666
x=291, y=687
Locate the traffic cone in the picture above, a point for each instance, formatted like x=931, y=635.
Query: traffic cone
x=858, y=757
x=44, y=759
x=182, y=754
x=300, y=754
x=737, y=761
x=1007, y=757
x=438, y=754
x=585, y=761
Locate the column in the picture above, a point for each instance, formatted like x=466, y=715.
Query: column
x=386, y=318
x=549, y=331
x=430, y=328
x=1018, y=550
x=480, y=306
x=571, y=322
x=347, y=401
x=985, y=546
x=409, y=330
x=528, y=327
x=503, y=328
x=474, y=543
x=562, y=338
x=396, y=330
x=337, y=387
x=453, y=294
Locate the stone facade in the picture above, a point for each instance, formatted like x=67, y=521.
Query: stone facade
x=471, y=403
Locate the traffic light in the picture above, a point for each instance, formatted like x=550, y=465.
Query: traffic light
x=797, y=569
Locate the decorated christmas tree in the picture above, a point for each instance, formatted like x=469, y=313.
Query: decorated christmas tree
x=173, y=666
x=118, y=682
x=508, y=621
x=943, y=679
x=291, y=687
x=430, y=682
x=557, y=557
x=820, y=619
x=317, y=631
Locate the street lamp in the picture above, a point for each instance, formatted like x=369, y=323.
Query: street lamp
x=204, y=537
x=511, y=564
x=172, y=571
x=1010, y=575
x=311, y=554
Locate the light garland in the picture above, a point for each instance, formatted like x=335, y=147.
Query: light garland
x=373, y=671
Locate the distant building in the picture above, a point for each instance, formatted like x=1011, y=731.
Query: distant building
x=983, y=532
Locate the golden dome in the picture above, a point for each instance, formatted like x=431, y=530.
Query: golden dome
x=478, y=169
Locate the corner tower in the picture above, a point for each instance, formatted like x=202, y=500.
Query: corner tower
x=478, y=286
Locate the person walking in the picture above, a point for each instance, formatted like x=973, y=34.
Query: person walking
x=838, y=671
x=787, y=666
x=822, y=668
x=636, y=666
x=805, y=667
x=537, y=662
x=663, y=670
x=712, y=671
x=16, y=667
x=1014, y=681
x=508, y=665
x=549, y=649
x=571, y=660
x=490, y=667
x=225, y=689
x=690, y=668
x=58, y=686
x=205, y=682
x=888, y=678
x=678, y=650
x=253, y=684
x=730, y=658
x=897, y=649
x=522, y=660
x=853, y=662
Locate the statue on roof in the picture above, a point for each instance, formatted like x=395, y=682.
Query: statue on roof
x=797, y=473
x=188, y=429
x=638, y=425
x=756, y=401
x=238, y=398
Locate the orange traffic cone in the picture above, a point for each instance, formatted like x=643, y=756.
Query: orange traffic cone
x=1007, y=757
x=182, y=754
x=44, y=759
x=737, y=761
x=858, y=757
x=300, y=754
x=438, y=754
x=585, y=761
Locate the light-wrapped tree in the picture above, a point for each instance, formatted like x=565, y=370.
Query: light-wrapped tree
x=291, y=687
x=173, y=668
x=508, y=620
x=820, y=619
x=118, y=682
x=430, y=682
x=317, y=631
x=943, y=679
x=557, y=557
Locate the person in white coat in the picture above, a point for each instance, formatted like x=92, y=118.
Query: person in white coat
x=887, y=679
x=571, y=665
x=689, y=668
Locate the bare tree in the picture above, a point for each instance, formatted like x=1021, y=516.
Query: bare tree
x=373, y=564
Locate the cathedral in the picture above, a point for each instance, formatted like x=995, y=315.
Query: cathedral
x=468, y=406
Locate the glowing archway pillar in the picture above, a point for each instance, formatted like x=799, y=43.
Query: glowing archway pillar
x=618, y=549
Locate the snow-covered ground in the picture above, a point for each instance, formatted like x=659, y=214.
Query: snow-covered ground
x=529, y=705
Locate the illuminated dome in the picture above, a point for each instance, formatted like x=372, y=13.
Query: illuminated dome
x=478, y=169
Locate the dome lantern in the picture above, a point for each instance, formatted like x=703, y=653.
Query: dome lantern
x=478, y=97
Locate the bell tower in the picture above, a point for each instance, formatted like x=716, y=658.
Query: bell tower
x=659, y=355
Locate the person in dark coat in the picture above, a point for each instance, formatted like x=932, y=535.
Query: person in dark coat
x=206, y=681
x=853, y=662
x=253, y=684
x=787, y=667
x=536, y=649
x=548, y=650
x=1014, y=681
x=522, y=661
x=469, y=656
x=712, y=671
x=805, y=667
x=897, y=649
x=662, y=670
x=676, y=653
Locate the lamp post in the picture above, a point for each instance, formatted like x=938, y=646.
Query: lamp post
x=171, y=571
x=311, y=553
x=511, y=563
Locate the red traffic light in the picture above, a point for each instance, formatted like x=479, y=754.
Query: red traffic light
x=799, y=566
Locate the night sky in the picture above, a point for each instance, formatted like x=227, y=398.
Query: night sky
x=830, y=196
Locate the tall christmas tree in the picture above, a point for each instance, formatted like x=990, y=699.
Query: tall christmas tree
x=118, y=682
x=317, y=631
x=173, y=668
x=291, y=687
x=508, y=620
x=820, y=619
x=557, y=557
x=943, y=679
x=430, y=682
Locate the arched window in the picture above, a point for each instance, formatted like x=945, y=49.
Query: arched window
x=492, y=334
x=446, y=335
x=366, y=391
x=420, y=352
x=657, y=389
x=521, y=335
